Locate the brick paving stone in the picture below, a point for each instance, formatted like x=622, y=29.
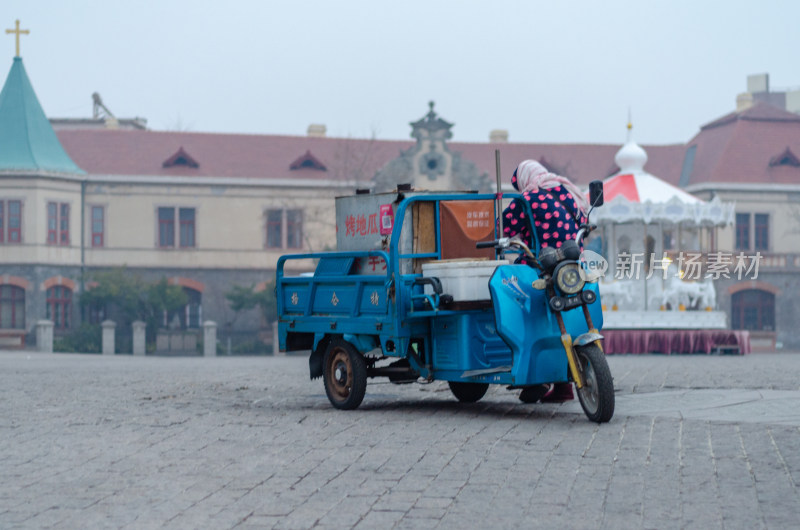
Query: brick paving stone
x=122, y=442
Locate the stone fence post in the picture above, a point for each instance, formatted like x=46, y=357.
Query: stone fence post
x=109, y=335
x=209, y=338
x=44, y=336
x=139, y=334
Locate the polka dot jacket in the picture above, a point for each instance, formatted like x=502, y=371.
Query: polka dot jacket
x=554, y=212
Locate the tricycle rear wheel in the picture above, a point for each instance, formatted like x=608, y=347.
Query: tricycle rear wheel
x=344, y=374
x=468, y=392
x=597, y=394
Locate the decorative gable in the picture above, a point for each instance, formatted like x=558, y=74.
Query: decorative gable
x=787, y=158
x=181, y=159
x=308, y=161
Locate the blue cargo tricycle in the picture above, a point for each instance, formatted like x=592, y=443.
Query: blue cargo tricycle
x=375, y=309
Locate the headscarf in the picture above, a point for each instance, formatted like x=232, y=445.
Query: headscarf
x=530, y=175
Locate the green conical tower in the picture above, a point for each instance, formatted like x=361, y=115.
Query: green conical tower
x=27, y=140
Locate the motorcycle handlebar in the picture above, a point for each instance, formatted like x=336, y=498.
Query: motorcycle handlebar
x=584, y=231
x=504, y=243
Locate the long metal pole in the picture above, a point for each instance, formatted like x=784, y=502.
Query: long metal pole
x=83, y=236
x=499, y=207
x=646, y=265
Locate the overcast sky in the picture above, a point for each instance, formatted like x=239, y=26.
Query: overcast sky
x=554, y=71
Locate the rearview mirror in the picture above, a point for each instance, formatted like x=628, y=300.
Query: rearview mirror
x=596, y=193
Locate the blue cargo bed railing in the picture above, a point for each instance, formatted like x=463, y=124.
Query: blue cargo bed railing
x=335, y=294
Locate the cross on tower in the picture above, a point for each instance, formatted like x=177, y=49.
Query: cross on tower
x=18, y=33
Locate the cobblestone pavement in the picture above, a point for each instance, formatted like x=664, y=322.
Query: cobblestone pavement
x=121, y=442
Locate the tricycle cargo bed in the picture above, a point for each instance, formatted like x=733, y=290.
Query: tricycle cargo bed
x=335, y=292
x=335, y=298
x=374, y=284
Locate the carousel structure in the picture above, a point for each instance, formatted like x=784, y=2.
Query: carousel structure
x=657, y=293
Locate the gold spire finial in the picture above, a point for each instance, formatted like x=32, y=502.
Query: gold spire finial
x=629, y=138
x=18, y=33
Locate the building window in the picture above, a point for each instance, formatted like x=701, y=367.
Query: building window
x=52, y=223
x=284, y=228
x=12, y=307
x=753, y=309
x=186, y=226
x=742, y=231
x=98, y=226
x=759, y=228
x=275, y=229
x=294, y=229
x=59, y=306
x=166, y=227
x=10, y=221
x=761, y=231
x=63, y=224
x=14, y=221
x=57, y=223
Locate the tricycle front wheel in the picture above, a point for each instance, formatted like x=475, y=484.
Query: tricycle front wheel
x=468, y=392
x=597, y=394
x=345, y=375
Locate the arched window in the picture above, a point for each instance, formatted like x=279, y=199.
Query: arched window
x=59, y=306
x=12, y=307
x=189, y=316
x=193, y=312
x=753, y=309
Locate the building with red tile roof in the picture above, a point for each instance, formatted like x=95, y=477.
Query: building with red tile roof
x=752, y=157
x=758, y=145
x=212, y=211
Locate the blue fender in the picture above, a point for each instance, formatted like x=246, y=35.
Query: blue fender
x=527, y=325
x=315, y=360
x=362, y=343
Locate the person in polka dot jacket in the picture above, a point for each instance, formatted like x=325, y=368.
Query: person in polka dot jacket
x=558, y=206
x=559, y=209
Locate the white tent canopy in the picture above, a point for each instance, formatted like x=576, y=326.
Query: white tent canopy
x=634, y=195
x=621, y=210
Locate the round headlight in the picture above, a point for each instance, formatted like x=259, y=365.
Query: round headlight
x=569, y=279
